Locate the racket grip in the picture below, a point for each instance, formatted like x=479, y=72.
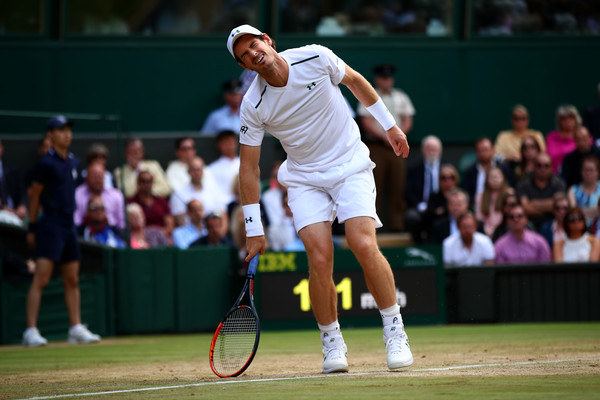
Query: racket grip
x=253, y=265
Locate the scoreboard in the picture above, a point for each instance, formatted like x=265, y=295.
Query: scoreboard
x=281, y=288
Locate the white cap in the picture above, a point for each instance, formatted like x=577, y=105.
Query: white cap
x=240, y=31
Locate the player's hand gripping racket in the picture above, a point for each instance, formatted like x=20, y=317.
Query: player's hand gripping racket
x=235, y=341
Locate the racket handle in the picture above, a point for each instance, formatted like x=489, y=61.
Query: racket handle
x=253, y=265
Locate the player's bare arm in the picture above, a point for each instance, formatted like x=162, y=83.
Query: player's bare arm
x=366, y=94
x=250, y=193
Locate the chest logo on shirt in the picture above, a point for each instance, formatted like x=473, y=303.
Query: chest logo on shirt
x=312, y=85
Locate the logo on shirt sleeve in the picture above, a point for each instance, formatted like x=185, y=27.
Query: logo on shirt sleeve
x=243, y=129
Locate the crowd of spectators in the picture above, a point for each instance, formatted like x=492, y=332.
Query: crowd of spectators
x=520, y=200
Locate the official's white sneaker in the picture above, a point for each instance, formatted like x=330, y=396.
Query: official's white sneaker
x=32, y=338
x=335, y=354
x=81, y=334
x=397, y=347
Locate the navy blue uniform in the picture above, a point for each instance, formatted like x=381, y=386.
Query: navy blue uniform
x=56, y=236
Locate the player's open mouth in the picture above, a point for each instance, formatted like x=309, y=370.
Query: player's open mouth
x=260, y=59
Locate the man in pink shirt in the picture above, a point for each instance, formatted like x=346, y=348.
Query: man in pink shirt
x=520, y=245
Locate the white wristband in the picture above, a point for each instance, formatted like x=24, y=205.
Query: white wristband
x=380, y=112
x=252, y=220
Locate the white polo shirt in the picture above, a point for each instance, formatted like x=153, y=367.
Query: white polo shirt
x=456, y=254
x=309, y=116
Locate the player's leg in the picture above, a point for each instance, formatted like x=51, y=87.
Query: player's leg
x=41, y=277
x=360, y=233
x=319, y=250
x=356, y=208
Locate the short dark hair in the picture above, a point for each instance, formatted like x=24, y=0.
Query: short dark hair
x=180, y=140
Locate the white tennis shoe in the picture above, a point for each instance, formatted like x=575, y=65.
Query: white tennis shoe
x=335, y=354
x=33, y=338
x=81, y=334
x=397, y=347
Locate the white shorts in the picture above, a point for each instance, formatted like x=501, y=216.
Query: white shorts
x=348, y=198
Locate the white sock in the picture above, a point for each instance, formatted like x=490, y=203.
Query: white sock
x=332, y=329
x=391, y=316
x=74, y=328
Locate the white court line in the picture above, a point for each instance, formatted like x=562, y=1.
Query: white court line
x=457, y=367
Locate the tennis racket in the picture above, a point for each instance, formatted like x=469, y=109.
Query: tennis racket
x=235, y=341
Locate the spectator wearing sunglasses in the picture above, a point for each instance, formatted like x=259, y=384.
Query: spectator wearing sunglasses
x=96, y=229
x=521, y=245
x=508, y=143
x=536, y=192
x=578, y=245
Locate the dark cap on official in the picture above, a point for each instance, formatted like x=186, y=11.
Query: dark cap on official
x=385, y=70
x=232, y=86
x=57, y=122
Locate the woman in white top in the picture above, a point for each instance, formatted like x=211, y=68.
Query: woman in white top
x=587, y=193
x=579, y=245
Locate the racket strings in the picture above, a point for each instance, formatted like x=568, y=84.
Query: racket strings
x=235, y=342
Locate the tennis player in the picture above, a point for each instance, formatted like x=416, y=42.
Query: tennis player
x=328, y=174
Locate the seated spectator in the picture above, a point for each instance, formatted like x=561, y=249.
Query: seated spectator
x=468, y=247
x=95, y=185
x=209, y=194
x=214, y=232
x=227, y=166
x=141, y=236
x=553, y=230
x=96, y=228
x=156, y=209
x=227, y=117
x=595, y=226
x=98, y=153
x=185, y=234
x=523, y=169
x=536, y=192
x=177, y=171
x=13, y=197
x=561, y=141
x=586, y=194
x=474, y=177
x=520, y=245
x=437, y=205
x=283, y=235
x=444, y=226
x=508, y=143
x=271, y=199
x=488, y=204
x=422, y=180
x=578, y=245
x=570, y=170
x=135, y=162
